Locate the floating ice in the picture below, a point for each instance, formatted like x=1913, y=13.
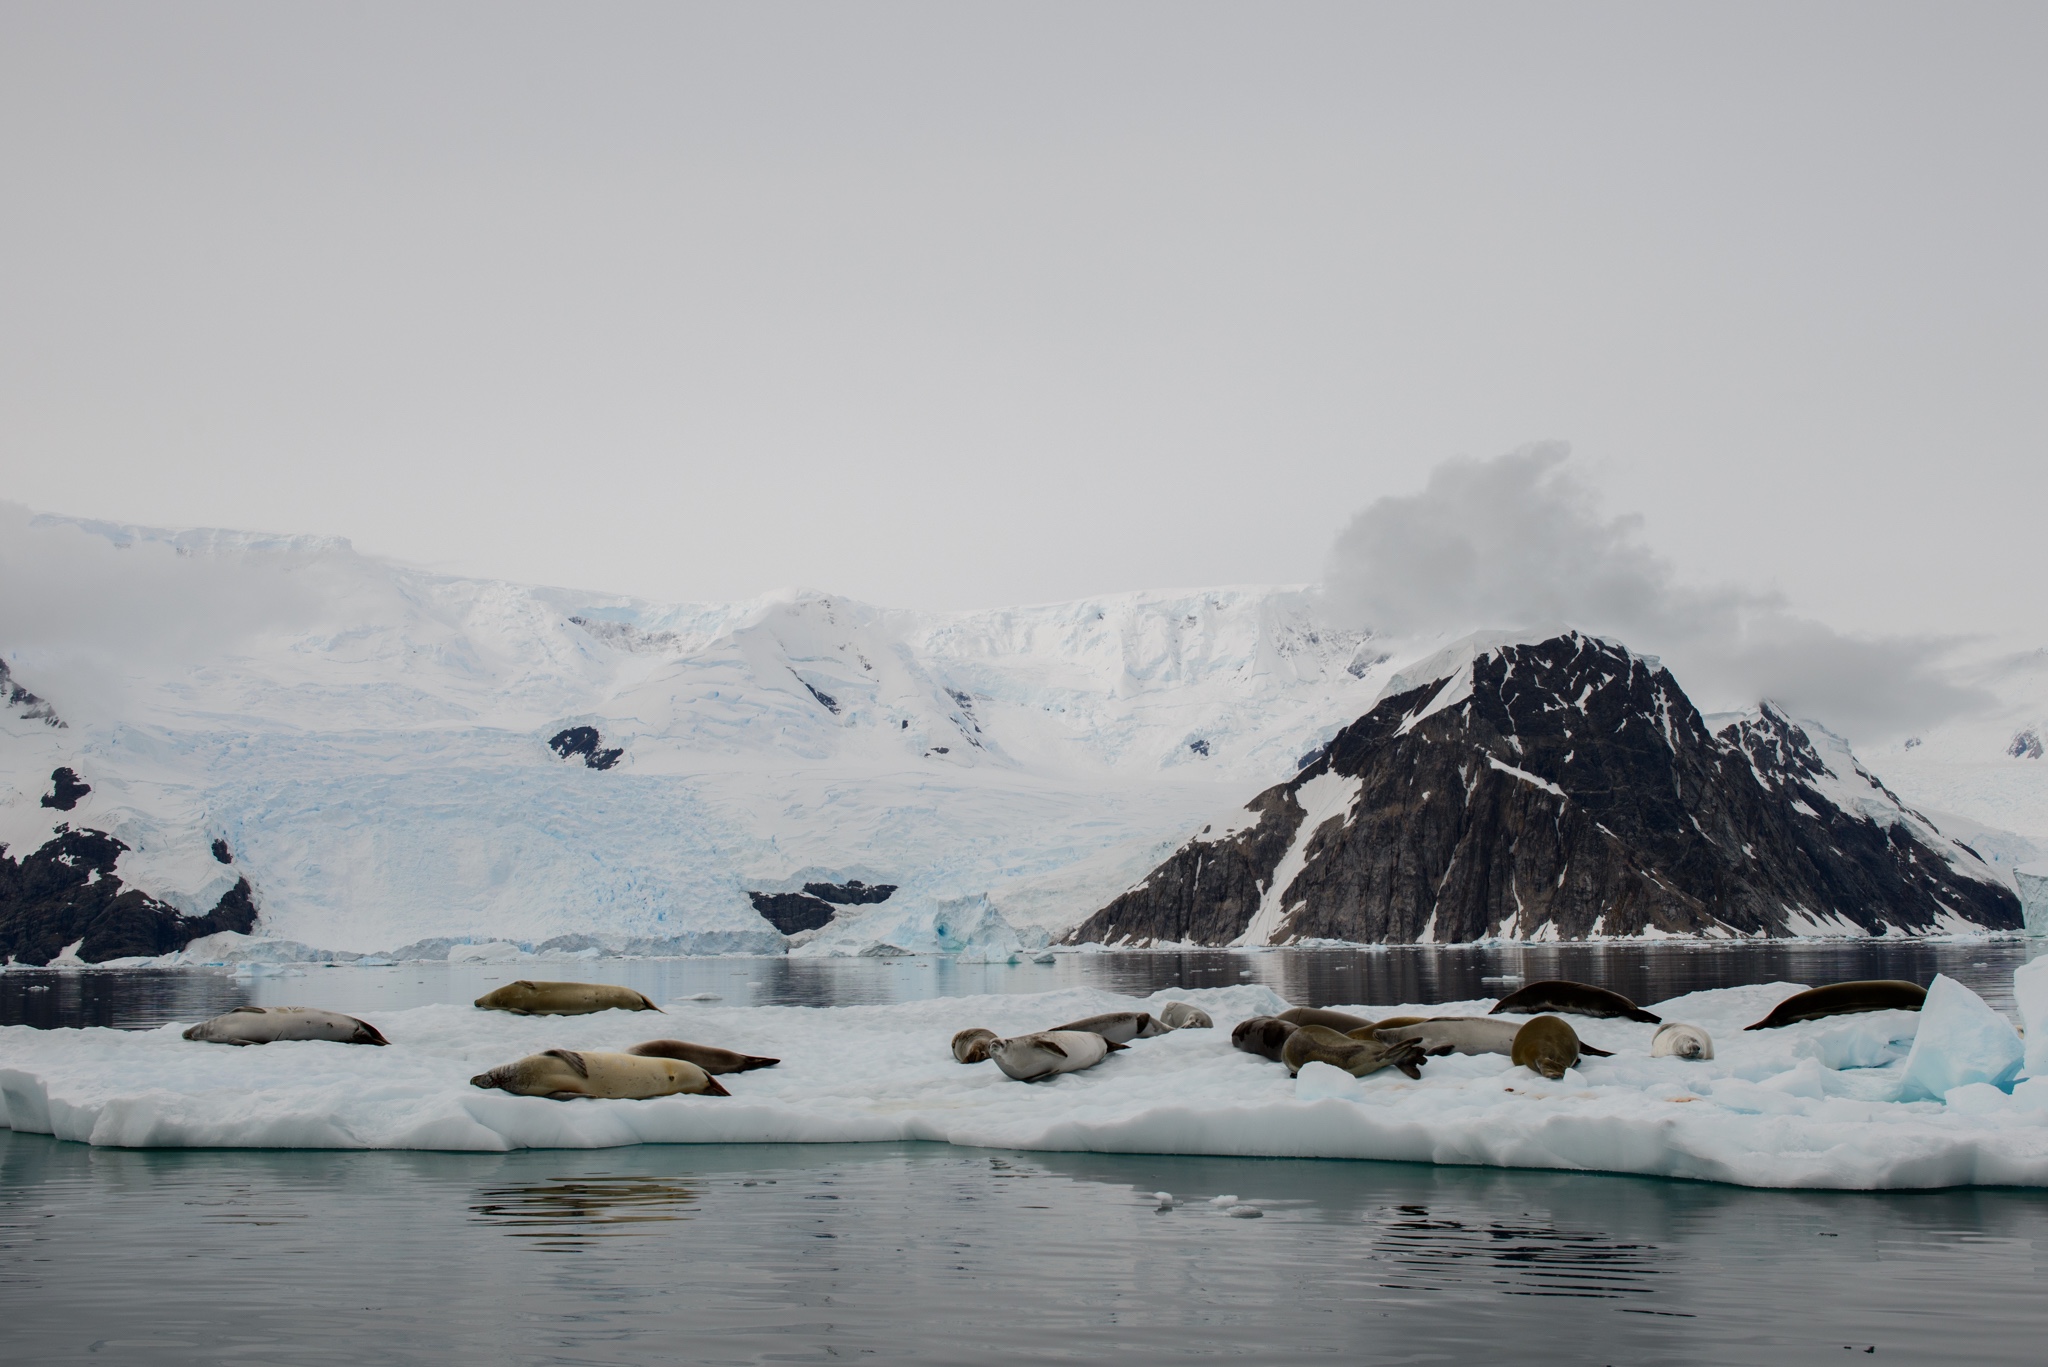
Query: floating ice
x=969, y=928
x=1768, y=1111
x=2030, y=995
x=1961, y=1040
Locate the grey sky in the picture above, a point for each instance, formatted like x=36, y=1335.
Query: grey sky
x=955, y=305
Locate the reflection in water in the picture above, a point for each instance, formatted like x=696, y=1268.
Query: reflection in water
x=563, y=1214
x=1525, y=1257
x=147, y=998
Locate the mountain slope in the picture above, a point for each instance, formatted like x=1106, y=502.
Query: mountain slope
x=1560, y=790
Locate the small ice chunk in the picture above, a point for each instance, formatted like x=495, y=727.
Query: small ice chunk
x=1320, y=1081
x=2031, y=1095
x=1223, y=1202
x=2030, y=994
x=1245, y=1212
x=1961, y=1040
x=702, y=997
x=1976, y=1098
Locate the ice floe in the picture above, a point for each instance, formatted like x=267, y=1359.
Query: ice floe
x=1811, y=1105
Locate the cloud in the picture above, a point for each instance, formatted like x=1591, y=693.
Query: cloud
x=1520, y=542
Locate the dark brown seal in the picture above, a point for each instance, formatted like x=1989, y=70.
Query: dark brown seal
x=1340, y=1021
x=1572, y=999
x=1844, y=999
x=1546, y=1045
x=709, y=1057
x=1358, y=1057
x=1262, y=1035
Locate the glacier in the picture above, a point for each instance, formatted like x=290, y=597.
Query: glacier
x=1815, y=1105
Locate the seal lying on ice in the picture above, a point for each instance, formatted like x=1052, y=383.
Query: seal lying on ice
x=269, y=1024
x=1358, y=1057
x=1844, y=999
x=1463, y=1035
x=1546, y=1045
x=1262, y=1035
x=706, y=1056
x=1118, y=1027
x=1571, y=999
x=1674, y=1040
x=1181, y=1016
x=525, y=998
x=1048, y=1053
x=568, y=1073
x=971, y=1046
x=1340, y=1021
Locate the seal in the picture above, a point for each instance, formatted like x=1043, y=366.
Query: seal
x=1546, y=1045
x=1571, y=999
x=1340, y=1021
x=1674, y=1040
x=709, y=1057
x=568, y=1073
x=971, y=1046
x=1048, y=1053
x=1390, y=1023
x=1440, y=1035
x=1358, y=1057
x=1118, y=1027
x=1181, y=1016
x=525, y=998
x=1262, y=1035
x=269, y=1024
x=1844, y=999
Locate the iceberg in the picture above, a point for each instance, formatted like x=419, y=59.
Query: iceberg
x=1961, y=1041
x=1766, y=1112
x=970, y=929
x=2030, y=995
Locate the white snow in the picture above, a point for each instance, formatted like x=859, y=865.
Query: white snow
x=1811, y=1105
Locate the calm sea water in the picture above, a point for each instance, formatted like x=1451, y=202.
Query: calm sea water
x=773, y=1254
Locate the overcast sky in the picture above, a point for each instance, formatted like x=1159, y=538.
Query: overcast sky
x=958, y=305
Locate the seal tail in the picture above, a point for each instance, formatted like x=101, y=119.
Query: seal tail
x=1648, y=1018
x=712, y=1088
x=753, y=1061
x=1594, y=1050
x=367, y=1033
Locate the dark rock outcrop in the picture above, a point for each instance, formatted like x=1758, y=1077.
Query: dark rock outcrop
x=587, y=742
x=852, y=893
x=66, y=788
x=220, y=852
x=25, y=703
x=68, y=892
x=1564, y=789
x=791, y=912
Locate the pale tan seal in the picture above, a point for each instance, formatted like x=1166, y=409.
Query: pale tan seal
x=1118, y=1027
x=1358, y=1057
x=1340, y=1021
x=525, y=998
x=269, y=1024
x=567, y=1073
x=971, y=1046
x=1546, y=1045
x=1676, y=1040
x=1181, y=1016
x=709, y=1057
x=1440, y=1035
x=1048, y=1053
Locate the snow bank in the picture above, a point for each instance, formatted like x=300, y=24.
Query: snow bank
x=1812, y=1105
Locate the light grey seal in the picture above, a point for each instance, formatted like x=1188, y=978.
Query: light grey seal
x=525, y=998
x=1181, y=1016
x=1572, y=999
x=1844, y=999
x=971, y=1046
x=1546, y=1045
x=1674, y=1040
x=1340, y=1021
x=1118, y=1027
x=269, y=1024
x=567, y=1073
x=1358, y=1057
x=1262, y=1035
x=706, y=1056
x=1048, y=1053
x=1440, y=1035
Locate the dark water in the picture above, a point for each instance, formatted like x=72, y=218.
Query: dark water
x=924, y=1253
x=143, y=998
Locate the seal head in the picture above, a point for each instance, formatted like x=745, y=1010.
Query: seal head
x=971, y=1046
x=1181, y=1016
x=1262, y=1035
x=1674, y=1040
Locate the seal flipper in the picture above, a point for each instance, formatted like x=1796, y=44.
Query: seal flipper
x=711, y=1088
x=1051, y=1046
x=756, y=1061
x=1113, y=1047
x=367, y=1033
x=1594, y=1051
x=572, y=1058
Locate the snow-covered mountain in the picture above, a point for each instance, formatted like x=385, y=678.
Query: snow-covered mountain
x=370, y=755
x=371, y=745
x=1562, y=789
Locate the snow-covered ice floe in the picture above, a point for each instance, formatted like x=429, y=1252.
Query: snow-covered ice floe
x=1811, y=1105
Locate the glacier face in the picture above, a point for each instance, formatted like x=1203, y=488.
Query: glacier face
x=370, y=743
